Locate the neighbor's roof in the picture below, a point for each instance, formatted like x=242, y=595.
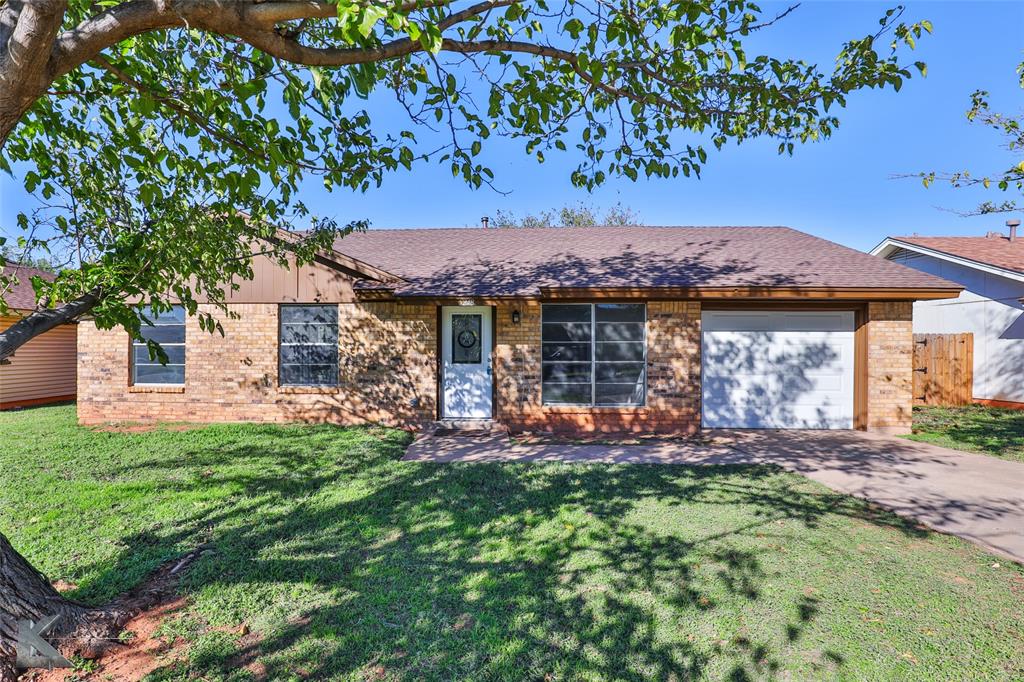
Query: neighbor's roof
x=996, y=250
x=521, y=261
x=21, y=296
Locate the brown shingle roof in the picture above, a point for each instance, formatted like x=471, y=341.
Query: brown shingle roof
x=518, y=262
x=997, y=251
x=21, y=296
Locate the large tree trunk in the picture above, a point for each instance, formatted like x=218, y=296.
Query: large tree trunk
x=26, y=594
x=27, y=32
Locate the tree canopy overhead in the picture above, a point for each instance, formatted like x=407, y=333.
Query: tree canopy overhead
x=151, y=124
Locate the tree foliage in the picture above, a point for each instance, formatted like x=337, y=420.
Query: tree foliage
x=577, y=214
x=164, y=139
x=1009, y=180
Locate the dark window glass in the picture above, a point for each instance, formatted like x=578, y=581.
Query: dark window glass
x=308, y=332
x=567, y=372
x=309, y=354
x=159, y=374
x=567, y=313
x=620, y=352
x=594, y=354
x=618, y=394
x=566, y=352
x=467, y=345
x=566, y=394
x=175, y=354
x=620, y=372
x=166, y=328
x=567, y=331
x=620, y=331
x=308, y=349
x=621, y=312
x=165, y=333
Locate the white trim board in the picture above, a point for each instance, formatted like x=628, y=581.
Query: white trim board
x=889, y=245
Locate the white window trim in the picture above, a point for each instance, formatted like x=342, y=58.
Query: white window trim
x=593, y=359
x=281, y=344
x=183, y=365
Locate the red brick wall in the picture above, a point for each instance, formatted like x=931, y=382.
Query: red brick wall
x=388, y=372
x=890, y=341
x=387, y=369
x=673, y=384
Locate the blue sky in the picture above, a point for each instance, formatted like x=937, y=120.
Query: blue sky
x=840, y=189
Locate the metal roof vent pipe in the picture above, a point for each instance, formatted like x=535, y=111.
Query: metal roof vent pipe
x=485, y=220
x=1013, y=225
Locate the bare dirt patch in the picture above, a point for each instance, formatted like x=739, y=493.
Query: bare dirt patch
x=139, y=650
x=141, y=653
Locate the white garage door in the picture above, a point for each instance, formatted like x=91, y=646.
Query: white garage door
x=777, y=370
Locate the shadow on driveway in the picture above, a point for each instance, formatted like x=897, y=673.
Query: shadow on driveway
x=976, y=497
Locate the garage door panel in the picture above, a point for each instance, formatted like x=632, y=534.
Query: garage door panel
x=725, y=353
x=792, y=370
x=752, y=415
x=823, y=389
x=743, y=321
x=815, y=322
x=739, y=322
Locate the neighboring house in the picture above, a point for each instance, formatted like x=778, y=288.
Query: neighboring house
x=639, y=329
x=44, y=369
x=991, y=270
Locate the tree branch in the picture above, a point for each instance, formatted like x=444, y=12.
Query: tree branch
x=42, y=321
x=240, y=18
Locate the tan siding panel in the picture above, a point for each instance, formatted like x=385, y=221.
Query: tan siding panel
x=44, y=367
x=273, y=284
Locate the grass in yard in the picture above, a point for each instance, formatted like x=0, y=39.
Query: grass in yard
x=988, y=430
x=349, y=564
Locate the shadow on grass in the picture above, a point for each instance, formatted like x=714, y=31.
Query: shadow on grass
x=380, y=568
x=995, y=431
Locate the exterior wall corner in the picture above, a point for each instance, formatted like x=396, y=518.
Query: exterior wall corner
x=890, y=379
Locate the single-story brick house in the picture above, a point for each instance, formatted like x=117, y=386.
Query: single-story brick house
x=608, y=329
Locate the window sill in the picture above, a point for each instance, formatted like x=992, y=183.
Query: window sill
x=591, y=409
x=155, y=388
x=325, y=390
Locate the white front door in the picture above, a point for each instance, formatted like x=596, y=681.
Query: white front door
x=777, y=369
x=466, y=362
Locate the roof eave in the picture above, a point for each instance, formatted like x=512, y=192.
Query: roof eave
x=759, y=293
x=789, y=293
x=889, y=244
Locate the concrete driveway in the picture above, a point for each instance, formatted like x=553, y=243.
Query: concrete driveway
x=976, y=497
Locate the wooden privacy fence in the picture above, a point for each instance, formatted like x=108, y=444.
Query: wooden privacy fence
x=943, y=369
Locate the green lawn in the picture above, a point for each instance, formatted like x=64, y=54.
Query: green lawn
x=347, y=563
x=988, y=430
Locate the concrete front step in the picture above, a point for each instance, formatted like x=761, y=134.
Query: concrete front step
x=466, y=427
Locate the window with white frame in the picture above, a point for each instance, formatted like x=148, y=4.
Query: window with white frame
x=308, y=348
x=594, y=354
x=167, y=329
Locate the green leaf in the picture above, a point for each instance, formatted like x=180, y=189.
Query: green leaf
x=371, y=15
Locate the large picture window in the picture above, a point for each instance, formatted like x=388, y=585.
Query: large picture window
x=594, y=354
x=309, y=345
x=167, y=329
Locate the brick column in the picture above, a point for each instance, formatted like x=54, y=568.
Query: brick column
x=890, y=370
